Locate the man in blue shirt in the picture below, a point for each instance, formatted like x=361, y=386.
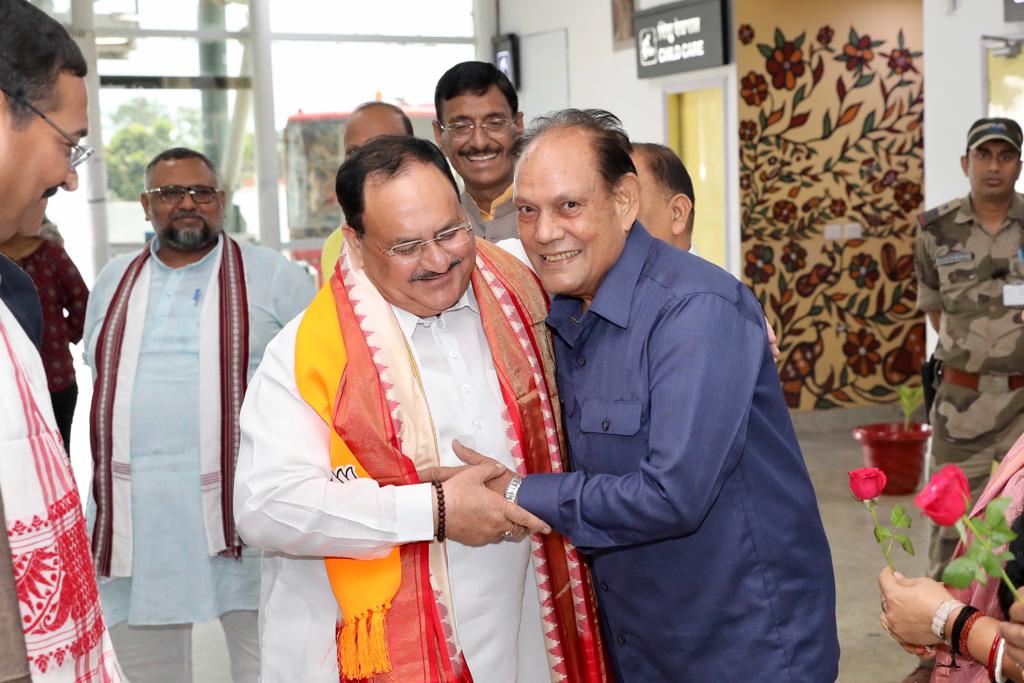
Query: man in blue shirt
x=689, y=495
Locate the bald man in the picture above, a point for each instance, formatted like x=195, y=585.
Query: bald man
x=666, y=194
x=368, y=121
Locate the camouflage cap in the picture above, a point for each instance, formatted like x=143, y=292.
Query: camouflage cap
x=984, y=130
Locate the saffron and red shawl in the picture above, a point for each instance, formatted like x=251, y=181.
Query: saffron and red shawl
x=353, y=367
x=223, y=374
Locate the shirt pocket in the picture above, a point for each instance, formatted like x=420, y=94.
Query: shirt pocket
x=958, y=282
x=601, y=416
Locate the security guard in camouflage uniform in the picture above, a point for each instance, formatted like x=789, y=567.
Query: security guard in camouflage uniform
x=970, y=278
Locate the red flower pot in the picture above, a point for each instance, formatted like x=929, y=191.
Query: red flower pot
x=896, y=451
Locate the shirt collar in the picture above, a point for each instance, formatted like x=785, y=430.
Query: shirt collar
x=490, y=213
x=614, y=298
x=408, y=321
x=965, y=213
x=154, y=247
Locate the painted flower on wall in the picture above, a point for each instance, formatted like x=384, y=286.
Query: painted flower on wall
x=825, y=34
x=748, y=131
x=901, y=59
x=858, y=51
x=784, y=211
x=864, y=270
x=754, y=89
x=785, y=65
x=794, y=257
x=759, y=267
x=745, y=33
x=837, y=207
x=861, y=349
x=908, y=195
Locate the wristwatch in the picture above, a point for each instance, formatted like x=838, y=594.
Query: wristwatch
x=512, y=490
x=942, y=616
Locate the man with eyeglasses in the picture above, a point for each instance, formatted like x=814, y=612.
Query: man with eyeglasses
x=426, y=337
x=478, y=121
x=173, y=333
x=51, y=626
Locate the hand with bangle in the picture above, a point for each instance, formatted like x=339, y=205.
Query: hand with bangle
x=921, y=614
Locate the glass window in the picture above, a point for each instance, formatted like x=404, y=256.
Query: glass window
x=1005, y=67
x=170, y=57
x=380, y=17
x=180, y=15
x=315, y=89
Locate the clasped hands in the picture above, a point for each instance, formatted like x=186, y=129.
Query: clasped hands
x=476, y=511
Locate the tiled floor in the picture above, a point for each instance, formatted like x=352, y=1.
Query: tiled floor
x=868, y=654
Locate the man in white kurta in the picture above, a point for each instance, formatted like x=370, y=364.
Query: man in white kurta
x=168, y=568
x=407, y=265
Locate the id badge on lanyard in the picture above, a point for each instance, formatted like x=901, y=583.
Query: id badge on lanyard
x=1013, y=292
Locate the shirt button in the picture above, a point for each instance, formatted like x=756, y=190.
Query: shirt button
x=466, y=389
x=604, y=425
x=479, y=424
x=453, y=354
x=581, y=361
x=604, y=586
x=621, y=640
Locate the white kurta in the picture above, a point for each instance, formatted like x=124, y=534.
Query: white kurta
x=288, y=503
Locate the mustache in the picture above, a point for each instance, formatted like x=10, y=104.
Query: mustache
x=431, y=275
x=189, y=214
x=489, y=149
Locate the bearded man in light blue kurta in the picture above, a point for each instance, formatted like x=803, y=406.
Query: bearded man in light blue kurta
x=173, y=334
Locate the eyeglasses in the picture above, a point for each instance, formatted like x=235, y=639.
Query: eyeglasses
x=77, y=154
x=449, y=239
x=175, y=194
x=460, y=130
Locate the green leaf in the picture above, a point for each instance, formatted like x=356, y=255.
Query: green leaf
x=995, y=511
x=864, y=80
x=826, y=127
x=869, y=124
x=798, y=43
x=960, y=572
x=863, y=308
x=800, y=93
x=1005, y=556
x=853, y=36
x=763, y=120
x=815, y=310
x=765, y=50
x=899, y=40
x=992, y=565
x=899, y=517
x=882, y=533
x=905, y=543
x=880, y=390
x=824, y=404
x=980, y=576
x=780, y=39
x=983, y=528
x=1002, y=536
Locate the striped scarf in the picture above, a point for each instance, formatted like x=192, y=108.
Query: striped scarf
x=224, y=358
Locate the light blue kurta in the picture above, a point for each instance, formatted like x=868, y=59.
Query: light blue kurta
x=174, y=579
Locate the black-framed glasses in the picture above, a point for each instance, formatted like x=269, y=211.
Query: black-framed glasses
x=448, y=239
x=175, y=194
x=77, y=154
x=460, y=130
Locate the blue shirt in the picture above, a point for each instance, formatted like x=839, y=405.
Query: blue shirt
x=689, y=493
x=174, y=579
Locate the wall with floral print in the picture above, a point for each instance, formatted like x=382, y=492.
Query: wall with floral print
x=830, y=110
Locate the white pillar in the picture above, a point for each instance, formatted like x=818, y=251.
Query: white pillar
x=267, y=165
x=95, y=172
x=485, y=25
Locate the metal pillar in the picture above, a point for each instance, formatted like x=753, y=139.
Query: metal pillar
x=267, y=166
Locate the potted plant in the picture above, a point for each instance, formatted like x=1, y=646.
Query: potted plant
x=897, y=448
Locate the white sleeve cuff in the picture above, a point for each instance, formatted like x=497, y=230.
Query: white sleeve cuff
x=414, y=512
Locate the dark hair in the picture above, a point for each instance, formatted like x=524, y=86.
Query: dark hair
x=395, y=108
x=34, y=50
x=175, y=153
x=383, y=157
x=475, y=78
x=1015, y=567
x=610, y=143
x=667, y=168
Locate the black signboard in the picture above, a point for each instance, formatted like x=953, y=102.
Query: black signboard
x=506, y=57
x=683, y=36
x=1013, y=10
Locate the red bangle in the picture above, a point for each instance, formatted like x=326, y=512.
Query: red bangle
x=992, y=657
x=971, y=621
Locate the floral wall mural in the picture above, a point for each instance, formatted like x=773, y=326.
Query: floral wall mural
x=831, y=142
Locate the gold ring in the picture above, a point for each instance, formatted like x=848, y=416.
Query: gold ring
x=510, y=532
x=881, y=620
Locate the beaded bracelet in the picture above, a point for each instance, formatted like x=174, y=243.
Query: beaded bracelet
x=968, y=625
x=958, y=626
x=440, y=510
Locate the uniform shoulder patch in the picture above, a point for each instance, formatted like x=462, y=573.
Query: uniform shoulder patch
x=932, y=215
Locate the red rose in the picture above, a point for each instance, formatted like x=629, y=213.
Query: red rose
x=867, y=483
x=944, y=498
